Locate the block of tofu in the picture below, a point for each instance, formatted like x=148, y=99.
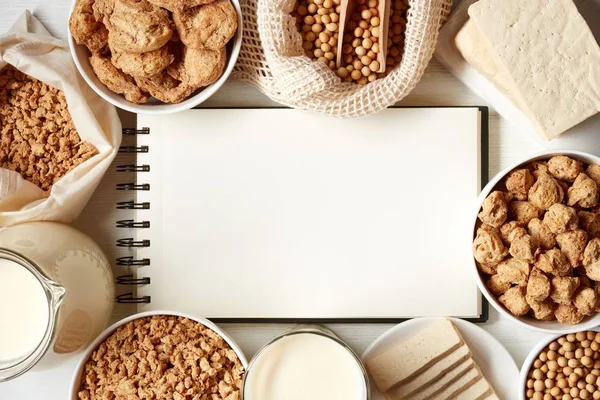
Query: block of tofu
x=549, y=56
x=414, y=355
x=435, y=373
x=438, y=386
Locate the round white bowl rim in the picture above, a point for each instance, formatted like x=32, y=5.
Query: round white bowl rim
x=591, y=322
x=537, y=350
x=119, y=101
x=75, y=380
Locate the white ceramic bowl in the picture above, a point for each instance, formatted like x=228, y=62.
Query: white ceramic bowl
x=80, y=55
x=75, y=382
x=535, y=352
x=541, y=326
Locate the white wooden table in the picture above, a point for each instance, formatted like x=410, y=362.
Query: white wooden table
x=437, y=88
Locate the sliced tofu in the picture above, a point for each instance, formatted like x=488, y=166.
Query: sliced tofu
x=475, y=51
x=415, y=355
x=436, y=373
x=549, y=56
x=434, y=388
x=479, y=391
x=452, y=391
x=492, y=396
x=482, y=390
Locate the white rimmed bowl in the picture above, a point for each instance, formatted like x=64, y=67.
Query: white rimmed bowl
x=76, y=380
x=554, y=327
x=535, y=352
x=80, y=56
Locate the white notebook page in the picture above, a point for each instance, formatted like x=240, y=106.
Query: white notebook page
x=277, y=213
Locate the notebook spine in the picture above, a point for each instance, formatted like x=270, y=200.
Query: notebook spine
x=134, y=244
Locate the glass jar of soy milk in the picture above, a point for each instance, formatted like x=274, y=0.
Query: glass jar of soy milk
x=56, y=295
x=307, y=363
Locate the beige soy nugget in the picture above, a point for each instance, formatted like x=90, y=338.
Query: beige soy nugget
x=514, y=271
x=137, y=26
x=497, y=286
x=573, y=244
x=542, y=310
x=591, y=259
x=560, y=218
x=198, y=67
x=538, y=286
x=143, y=65
x=523, y=211
x=86, y=29
x=568, y=314
x=488, y=247
x=553, y=262
x=165, y=88
x=550, y=56
x=583, y=193
x=519, y=182
x=510, y=230
x=538, y=168
x=590, y=222
x=103, y=9
x=514, y=300
x=563, y=289
x=545, y=192
x=489, y=269
x=585, y=300
x=565, y=168
x=524, y=247
x=208, y=26
x=541, y=234
x=494, y=209
x=593, y=171
x=116, y=80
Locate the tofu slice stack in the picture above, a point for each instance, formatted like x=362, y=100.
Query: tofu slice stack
x=541, y=54
x=433, y=364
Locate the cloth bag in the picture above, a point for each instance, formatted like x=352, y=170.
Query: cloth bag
x=273, y=60
x=30, y=48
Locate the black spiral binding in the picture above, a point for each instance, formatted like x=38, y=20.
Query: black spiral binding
x=131, y=262
x=131, y=243
x=129, y=223
x=130, y=280
x=132, y=205
x=131, y=299
x=133, y=149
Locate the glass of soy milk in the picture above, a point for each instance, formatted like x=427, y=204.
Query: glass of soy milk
x=56, y=295
x=308, y=363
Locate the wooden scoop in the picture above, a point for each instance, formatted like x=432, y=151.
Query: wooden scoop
x=383, y=10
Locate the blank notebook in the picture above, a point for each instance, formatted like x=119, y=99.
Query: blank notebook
x=281, y=214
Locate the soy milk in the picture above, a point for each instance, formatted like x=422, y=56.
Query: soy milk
x=24, y=311
x=305, y=366
x=56, y=295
